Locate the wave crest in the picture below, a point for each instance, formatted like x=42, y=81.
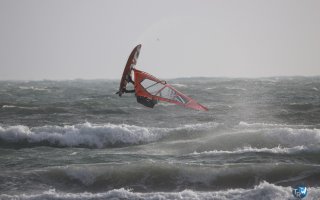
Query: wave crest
x=89, y=135
x=80, y=135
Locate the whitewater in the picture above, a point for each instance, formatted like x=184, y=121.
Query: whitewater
x=76, y=139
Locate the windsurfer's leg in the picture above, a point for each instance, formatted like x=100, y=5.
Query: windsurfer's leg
x=146, y=101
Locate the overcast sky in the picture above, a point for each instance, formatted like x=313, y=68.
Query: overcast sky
x=67, y=39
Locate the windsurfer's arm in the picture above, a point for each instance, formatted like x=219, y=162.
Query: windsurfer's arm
x=124, y=90
x=129, y=79
x=128, y=91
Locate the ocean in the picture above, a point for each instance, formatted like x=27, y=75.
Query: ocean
x=76, y=139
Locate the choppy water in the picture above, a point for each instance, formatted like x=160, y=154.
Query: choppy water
x=77, y=140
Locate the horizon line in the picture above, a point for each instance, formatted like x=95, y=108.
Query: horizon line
x=183, y=77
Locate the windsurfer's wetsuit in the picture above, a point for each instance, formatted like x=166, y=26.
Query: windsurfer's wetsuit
x=146, y=101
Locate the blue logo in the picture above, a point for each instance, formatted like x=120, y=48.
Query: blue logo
x=300, y=191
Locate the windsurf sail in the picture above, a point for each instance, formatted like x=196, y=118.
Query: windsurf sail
x=127, y=72
x=149, y=90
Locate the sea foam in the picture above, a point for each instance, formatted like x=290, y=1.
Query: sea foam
x=249, y=149
x=264, y=190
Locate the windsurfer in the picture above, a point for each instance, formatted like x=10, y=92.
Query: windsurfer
x=124, y=89
x=140, y=99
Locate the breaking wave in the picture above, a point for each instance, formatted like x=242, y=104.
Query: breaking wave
x=264, y=190
x=249, y=149
x=89, y=135
x=267, y=125
x=151, y=175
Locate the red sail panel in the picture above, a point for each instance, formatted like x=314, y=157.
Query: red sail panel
x=152, y=88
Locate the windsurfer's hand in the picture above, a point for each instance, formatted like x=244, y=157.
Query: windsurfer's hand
x=119, y=93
